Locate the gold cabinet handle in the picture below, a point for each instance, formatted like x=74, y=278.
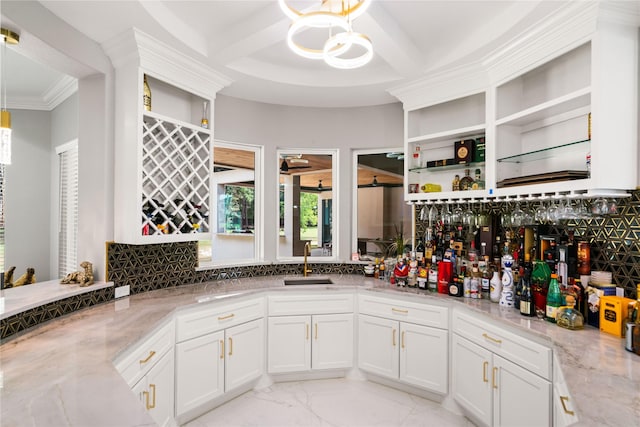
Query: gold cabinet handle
x=316, y=332
x=402, y=339
x=230, y=346
x=228, y=316
x=151, y=354
x=153, y=400
x=490, y=338
x=394, y=338
x=397, y=310
x=563, y=400
x=146, y=399
x=485, y=365
x=307, y=335
x=221, y=349
x=494, y=374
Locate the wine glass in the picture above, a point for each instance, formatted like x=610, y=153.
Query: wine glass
x=517, y=216
x=446, y=214
x=423, y=213
x=482, y=219
x=540, y=214
x=468, y=217
x=456, y=215
x=553, y=212
x=433, y=214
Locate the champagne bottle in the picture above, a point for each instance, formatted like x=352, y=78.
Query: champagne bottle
x=146, y=95
x=527, y=306
x=554, y=299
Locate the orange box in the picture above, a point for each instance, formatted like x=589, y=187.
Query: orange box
x=613, y=311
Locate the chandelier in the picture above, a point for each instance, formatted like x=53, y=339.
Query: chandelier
x=6, y=37
x=332, y=15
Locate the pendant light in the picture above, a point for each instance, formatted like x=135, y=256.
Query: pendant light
x=8, y=37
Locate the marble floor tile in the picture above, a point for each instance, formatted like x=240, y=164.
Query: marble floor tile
x=334, y=402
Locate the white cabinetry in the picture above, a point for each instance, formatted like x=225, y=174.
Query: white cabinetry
x=430, y=152
x=564, y=413
x=318, y=340
x=163, y=157
x=405, y=341
x=220, y=349
x=499, y=378
x=148, y=368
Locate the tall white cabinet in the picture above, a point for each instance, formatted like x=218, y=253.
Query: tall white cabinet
x=163, y=157
x=556, y=113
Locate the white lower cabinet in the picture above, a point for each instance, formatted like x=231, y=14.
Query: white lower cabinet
x=414, y=354
x=216, y=363
x=156, y=390
x=496, y=392
x=312, y=342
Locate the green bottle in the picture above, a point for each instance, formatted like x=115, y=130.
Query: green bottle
x=554, y=299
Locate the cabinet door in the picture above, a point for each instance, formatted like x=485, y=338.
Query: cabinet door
x=199, y=371
x=244, y=353
x=471, y=379
x=161, y=388
x=332, y=343
x=378, y=341
x=424, y=357
x=520, y=398
x=289, y=344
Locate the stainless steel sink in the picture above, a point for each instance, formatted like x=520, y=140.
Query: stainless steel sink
x=308, y=281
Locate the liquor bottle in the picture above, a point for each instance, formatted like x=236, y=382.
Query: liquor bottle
x=146, y=95
x=478, y=183
x=205, y=120
x=518, y=289
x=485, y=279
x=420, y=251
x=381, y=270
x=506, y=297
x=432, y=278
x=455, y=184
x=476, y=286
x=495, y=287
x=554, y=299
x=527, y=305
x=466, y=181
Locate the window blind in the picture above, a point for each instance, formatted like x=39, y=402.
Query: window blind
x=68, y=218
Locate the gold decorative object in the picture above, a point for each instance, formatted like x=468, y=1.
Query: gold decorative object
x=83, y=277
x=26, y=279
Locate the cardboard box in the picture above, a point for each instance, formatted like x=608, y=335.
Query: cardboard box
x=479, y=151
x=464, y=151
x=596, y=292
x=613, y=311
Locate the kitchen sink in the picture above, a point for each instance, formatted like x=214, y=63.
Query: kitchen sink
x=308, y=281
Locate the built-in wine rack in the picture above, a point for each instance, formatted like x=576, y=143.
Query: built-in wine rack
x=176, y=170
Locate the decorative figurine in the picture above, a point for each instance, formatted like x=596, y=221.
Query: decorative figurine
x=506, y=298
x=26, y=279
x=84, y=277
x=8, y=277
x=401, y=272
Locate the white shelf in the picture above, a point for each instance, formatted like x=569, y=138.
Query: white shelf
x=448, y=135
x=554, y=107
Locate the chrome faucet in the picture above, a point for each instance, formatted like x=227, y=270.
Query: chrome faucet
x=307, y=251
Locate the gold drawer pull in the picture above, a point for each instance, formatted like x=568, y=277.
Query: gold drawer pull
x=485, y=365
x=230, y=346
x=146, y=399
x=402, y=339
x=228, y=316
x=151, y=354
x=221, y=349
x=394, y=338
x=307, y=335
x=397, y=310
x=153, y=401
x=563, y=400
x=490, y=338
x=493, y=377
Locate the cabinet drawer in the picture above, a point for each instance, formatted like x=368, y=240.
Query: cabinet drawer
x=407, y=311
x=143, y=356
x=211, y=318
x=522, y=351
x=289, y=305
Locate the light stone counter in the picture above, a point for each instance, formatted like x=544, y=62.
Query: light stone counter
x=61, y=372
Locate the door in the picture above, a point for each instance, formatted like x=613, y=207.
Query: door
x=332, y=343
x=199, y=371
x=289, y=344
x=424, y=357
x=161, y=388
x=378, y=345
x=520, y=398
x=244, y=353
x=471, y=379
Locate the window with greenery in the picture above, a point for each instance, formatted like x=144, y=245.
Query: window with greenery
x=236, y=208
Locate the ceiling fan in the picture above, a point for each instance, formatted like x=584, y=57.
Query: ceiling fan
x=290, y=162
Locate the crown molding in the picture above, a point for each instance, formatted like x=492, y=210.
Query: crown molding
x=48, y=100
x=164, y=62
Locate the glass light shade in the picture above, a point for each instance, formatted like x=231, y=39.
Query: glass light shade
x=317, y=20
x=348, y=38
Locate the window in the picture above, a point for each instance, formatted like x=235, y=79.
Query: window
x=236, y=184
x=68, y=219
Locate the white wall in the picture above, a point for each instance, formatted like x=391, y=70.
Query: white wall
x=28, y=194
x=276, y=126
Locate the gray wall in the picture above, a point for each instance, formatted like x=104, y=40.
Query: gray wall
x=277, y=126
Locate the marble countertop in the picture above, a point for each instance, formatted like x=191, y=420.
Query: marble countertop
x=61, y=372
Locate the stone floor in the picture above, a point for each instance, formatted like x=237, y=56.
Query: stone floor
x=333, y=402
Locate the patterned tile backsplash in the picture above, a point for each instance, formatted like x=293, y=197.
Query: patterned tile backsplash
x=615, y=247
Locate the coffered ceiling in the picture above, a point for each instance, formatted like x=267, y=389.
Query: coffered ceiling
x=245, y=40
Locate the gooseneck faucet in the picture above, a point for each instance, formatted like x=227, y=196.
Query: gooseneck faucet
x=307, y=251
